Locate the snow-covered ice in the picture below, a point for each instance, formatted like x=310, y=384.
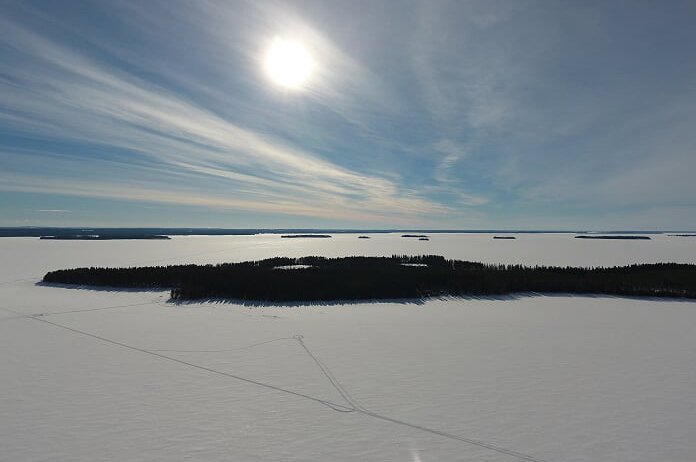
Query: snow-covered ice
x=101, y=375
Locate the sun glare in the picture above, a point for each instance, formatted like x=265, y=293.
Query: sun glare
x=288, y=63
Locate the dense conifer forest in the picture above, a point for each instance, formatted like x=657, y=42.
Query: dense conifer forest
x=358, y=278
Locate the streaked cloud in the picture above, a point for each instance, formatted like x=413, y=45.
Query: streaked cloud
x=69, y=96
x=503, y=113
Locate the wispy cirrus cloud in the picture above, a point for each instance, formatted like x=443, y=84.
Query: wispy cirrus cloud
x=570, y=110
x=505, y=112
x=56, y=91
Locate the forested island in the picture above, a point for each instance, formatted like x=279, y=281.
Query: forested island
x=504, y=237
x=99, y=237
x=362, y=278
x=612, y=236
x=413, y=235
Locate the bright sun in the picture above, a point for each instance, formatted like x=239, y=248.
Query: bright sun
x=288, y=63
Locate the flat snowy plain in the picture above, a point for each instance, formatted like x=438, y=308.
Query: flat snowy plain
x=92, y=375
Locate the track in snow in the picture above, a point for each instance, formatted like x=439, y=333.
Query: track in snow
x=352, y=406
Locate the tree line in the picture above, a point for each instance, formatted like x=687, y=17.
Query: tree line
x=358, y=278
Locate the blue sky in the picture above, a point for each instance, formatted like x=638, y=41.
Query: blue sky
x=482, y=114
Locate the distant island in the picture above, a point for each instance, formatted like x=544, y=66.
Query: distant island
x=424, y=238
x=99, y=237
x=292, y=236
x=682, y=235
x=504, y=237
x=34, y=231
x=413, y=235
x=612, y=236
x=310, y=279
x=363, y=237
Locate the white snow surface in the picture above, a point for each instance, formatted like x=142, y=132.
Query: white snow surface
x=98, y=375
x=292, y=267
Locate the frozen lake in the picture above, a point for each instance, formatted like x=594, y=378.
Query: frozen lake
x=126, y=376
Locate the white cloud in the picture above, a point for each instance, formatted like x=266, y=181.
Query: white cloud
x=68, y=95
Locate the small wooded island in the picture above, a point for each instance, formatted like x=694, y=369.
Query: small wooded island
x=612, y=236
x=363, y=278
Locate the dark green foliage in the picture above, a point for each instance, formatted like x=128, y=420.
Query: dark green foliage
x=357, y=278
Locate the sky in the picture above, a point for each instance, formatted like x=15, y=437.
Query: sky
x=454, y=115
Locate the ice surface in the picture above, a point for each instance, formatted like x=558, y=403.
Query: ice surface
x=115, y=376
